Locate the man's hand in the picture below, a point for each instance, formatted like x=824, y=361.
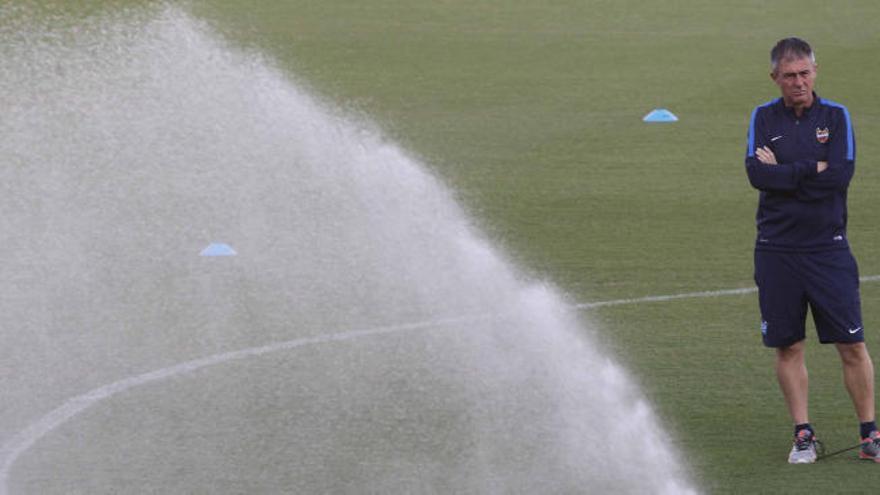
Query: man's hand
x=766, y=156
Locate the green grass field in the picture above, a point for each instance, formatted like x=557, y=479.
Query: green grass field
x=531, y=112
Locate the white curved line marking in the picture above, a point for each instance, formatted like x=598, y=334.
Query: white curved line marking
x=19, y=443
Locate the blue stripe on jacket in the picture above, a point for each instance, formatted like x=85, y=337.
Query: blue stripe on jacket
x=850, y=140
x=751, y=145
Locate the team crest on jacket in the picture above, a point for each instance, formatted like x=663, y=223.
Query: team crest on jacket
x=822, y=135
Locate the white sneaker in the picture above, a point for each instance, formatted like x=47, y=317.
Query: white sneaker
x=804, y=449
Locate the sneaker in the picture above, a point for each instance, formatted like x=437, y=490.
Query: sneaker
x=804, y=449
x=871, y=447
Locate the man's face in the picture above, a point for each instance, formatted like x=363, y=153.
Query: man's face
x=795, y=77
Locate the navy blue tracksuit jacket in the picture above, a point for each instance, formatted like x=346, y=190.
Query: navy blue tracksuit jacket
x=799, y=209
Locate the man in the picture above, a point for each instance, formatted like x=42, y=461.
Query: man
x=801, y=157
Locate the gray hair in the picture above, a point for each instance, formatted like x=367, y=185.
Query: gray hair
x=790, y=49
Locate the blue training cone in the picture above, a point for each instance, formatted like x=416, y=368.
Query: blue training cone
x=218, y=249
x=660, y=115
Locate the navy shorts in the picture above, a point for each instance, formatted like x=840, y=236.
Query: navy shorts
x=827, y=282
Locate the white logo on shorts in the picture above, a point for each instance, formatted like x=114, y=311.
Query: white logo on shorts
x=855, y=330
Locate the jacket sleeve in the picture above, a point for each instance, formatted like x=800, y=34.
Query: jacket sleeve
x=841, y=162
x=779, y=177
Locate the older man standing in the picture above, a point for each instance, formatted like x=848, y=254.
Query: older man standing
x=801, y=157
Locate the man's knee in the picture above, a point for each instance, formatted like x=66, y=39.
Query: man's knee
x=794, y=352
x=853, y=354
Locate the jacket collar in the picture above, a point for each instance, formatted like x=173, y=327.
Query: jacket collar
x=807, y=110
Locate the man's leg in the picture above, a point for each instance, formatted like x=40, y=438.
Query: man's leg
x=783, y=303
x=858, y=375
x=792, y=374
x=791, y=371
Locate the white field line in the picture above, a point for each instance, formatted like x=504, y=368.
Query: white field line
x=687, y=295
x=670, y=297
x=19, y=443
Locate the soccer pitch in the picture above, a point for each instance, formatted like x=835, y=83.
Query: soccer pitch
x=531, y=113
